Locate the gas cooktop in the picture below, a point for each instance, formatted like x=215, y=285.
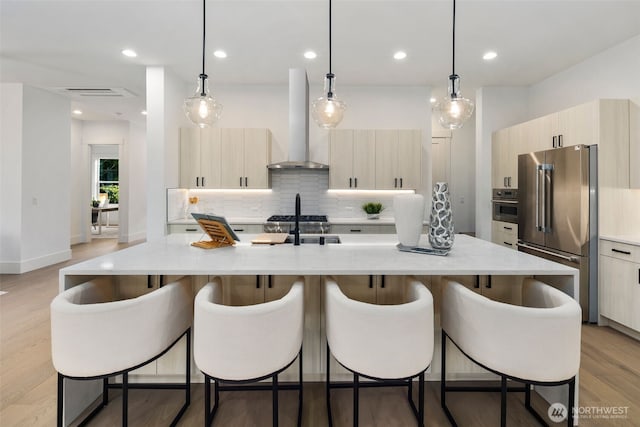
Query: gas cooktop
x=292, y=218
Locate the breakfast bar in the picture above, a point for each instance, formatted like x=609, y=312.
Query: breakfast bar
x=355, y=256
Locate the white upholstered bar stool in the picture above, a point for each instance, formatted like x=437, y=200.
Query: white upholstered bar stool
x=392, y=344
x=93, y=336
x=537, y=343
x=247, y=344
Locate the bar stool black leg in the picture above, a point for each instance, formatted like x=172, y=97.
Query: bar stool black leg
x=356, y=397
x=274, y=391
x=421, y=397
x=300, y=391
x=105, y=391
x=60, y=399
x=188, y=373
x=125, y=399
x=410, y=389
x=503, y=402
x=328, y=388
x=572, y=396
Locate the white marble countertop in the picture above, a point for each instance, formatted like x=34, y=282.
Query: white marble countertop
x=628, y=239
x=357, y=254
x=332, y=220
x=230, y=220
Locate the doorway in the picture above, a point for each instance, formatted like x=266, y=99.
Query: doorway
x=105, y=194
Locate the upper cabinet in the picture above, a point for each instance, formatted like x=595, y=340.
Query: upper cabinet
x=245, y=154
x=352, y=159
x=398, y=159
x=224, y=158
x=375, y=159
x=199, y=157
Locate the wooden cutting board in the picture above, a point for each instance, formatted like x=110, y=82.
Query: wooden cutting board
x=270, y=238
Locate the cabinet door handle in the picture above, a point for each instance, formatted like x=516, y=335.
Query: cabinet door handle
x=240, y=181
x=476, y=284
x=355, y=181
x=257, y=282
x=507, y=228
x=395, y=182
x=240, y=230
x=560, y=143
x=269, y=284
x=355, y=230
x=350, y=179
x=203, y=181
x=639, y=276
x=509, y=181
x=382, y=284
x=370, y=281
x=197, y=181
x=554, y=141
x=400, y=182
x=246, y=181
x=488, y=282
x=190, y=229
x=504, y=182
x=621, y=252
x=508, y=244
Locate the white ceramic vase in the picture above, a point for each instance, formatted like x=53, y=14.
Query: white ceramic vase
x=441, y=232
x=408, y=210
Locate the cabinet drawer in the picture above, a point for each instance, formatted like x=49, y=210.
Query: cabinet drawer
x=621, y=251
x=247, y=228
x=184, y=228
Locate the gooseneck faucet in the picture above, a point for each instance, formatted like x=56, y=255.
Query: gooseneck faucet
x=296, y=230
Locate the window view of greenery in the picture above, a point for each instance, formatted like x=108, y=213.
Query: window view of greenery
x=108, y=179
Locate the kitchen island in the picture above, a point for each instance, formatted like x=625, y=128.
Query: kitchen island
x=357, y=256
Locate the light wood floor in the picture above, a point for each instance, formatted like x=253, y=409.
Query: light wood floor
x=609, y=377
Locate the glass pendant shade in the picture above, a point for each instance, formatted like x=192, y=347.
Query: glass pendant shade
x=201, y=108
x=328, y=111
x=454, y=110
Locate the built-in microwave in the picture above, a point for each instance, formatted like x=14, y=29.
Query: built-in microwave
x=504, y=204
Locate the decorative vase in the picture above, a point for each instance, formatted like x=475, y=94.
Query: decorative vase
x=373, y=216
x=441, y=218
x=408, y=211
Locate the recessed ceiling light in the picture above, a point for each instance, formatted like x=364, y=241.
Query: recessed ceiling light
x=310, y=54
x=400, y=55
x=129, y=52
x=489, y=56
x=220, y=54
x=143, y=112
x=432, y=100
x=77, y=112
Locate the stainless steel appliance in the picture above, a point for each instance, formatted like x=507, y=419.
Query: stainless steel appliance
x=504, y=202
x=558, y=213
x=309, y=224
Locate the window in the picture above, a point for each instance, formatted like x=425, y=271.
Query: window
x=107, y=179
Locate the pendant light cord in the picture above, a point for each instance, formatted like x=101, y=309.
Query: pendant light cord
x=453, y=50
x=330, y=37
x=203, y=76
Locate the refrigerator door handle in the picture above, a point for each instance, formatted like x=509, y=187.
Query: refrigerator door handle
x=546, y=200
x=538, y=171
x=557, y=255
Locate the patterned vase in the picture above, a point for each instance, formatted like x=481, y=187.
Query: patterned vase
x=441, y=219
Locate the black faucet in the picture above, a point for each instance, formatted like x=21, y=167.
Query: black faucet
x=296, y=230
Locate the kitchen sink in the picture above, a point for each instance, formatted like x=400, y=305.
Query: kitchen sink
x=315, y=239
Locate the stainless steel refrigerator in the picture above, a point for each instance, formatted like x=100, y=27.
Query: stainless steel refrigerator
x=558, y=213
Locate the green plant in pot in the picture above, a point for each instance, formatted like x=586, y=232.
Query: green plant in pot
x=95, y=203
x=372, y=209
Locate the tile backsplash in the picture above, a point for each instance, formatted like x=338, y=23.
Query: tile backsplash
x=285, y=184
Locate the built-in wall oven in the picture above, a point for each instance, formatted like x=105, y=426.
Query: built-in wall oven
x=504, y=203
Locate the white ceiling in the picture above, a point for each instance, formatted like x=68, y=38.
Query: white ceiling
x=52, y=43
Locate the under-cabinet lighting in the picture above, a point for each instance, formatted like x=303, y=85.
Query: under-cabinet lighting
x=370, y=192
x=228, y=191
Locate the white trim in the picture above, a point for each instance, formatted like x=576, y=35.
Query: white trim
x=19, y=267
x=141, y=235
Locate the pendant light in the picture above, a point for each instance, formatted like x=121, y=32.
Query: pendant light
x=328, y=111
x=454, y=110
x=202, y=108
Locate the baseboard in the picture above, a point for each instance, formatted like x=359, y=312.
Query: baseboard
x=78, y=238
x=19, y=267
x=623, y=329
x=133, y=237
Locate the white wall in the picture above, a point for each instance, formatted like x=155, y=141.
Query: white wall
x=78, y=186
x=135, y=176
x=10, y=175
x=496, y=108
x=165, y=96
x=36, y=164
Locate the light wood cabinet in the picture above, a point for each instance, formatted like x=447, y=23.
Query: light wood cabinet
x=375, y=159
x=199, y=157
x=619, y=284
x=398, y=159
x=505, y=234
x=352, y=159
x=245, y=154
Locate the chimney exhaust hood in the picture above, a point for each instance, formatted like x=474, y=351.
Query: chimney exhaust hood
x=298, y=124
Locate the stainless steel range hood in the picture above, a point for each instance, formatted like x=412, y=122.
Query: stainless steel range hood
x=298, y=124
